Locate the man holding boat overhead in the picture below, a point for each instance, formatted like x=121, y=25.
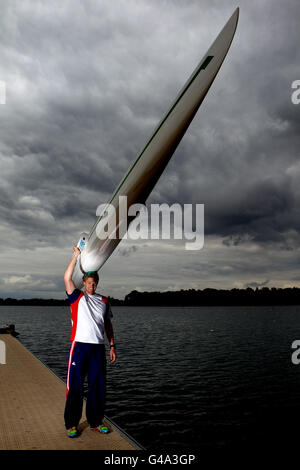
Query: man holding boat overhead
x=91, y=319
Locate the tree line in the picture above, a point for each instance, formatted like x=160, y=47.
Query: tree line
x=189, y=297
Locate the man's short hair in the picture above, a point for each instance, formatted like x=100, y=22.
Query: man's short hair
x=92, y=274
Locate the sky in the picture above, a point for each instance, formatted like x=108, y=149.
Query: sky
x=86, y=84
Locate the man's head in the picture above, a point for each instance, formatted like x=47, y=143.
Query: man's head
x=90, y=282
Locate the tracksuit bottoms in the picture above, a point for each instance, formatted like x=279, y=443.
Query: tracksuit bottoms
x=85, y=359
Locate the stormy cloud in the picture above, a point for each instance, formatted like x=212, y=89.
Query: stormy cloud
x=86, y=84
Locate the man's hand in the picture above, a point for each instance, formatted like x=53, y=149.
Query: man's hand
x=110, y=336
x=76, y=250
x=113, y=356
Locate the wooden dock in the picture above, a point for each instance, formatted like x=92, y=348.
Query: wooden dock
x=32, y=401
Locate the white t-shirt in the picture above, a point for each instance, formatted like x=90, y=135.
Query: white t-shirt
x=88, y=314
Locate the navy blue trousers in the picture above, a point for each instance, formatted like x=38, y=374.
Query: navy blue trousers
x=89, y=360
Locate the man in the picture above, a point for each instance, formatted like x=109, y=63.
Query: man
x=91, y=317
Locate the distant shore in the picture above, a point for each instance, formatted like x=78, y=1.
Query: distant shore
x=190, y=297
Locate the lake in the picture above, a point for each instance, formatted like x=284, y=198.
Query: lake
x=187, y=378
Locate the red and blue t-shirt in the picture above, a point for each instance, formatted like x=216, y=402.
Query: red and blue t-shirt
x=88, y=314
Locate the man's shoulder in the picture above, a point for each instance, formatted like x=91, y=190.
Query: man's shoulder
x=75, y=295
x=100, y=297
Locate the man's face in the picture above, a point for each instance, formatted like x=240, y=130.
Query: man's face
x=90, y=285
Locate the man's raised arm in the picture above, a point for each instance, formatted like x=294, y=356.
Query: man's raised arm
x=70, y=286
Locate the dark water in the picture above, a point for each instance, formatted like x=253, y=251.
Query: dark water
x=188, y=378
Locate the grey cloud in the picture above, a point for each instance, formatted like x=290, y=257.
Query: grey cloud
x=86, y=86
x=257, y=284
x=127, y=251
